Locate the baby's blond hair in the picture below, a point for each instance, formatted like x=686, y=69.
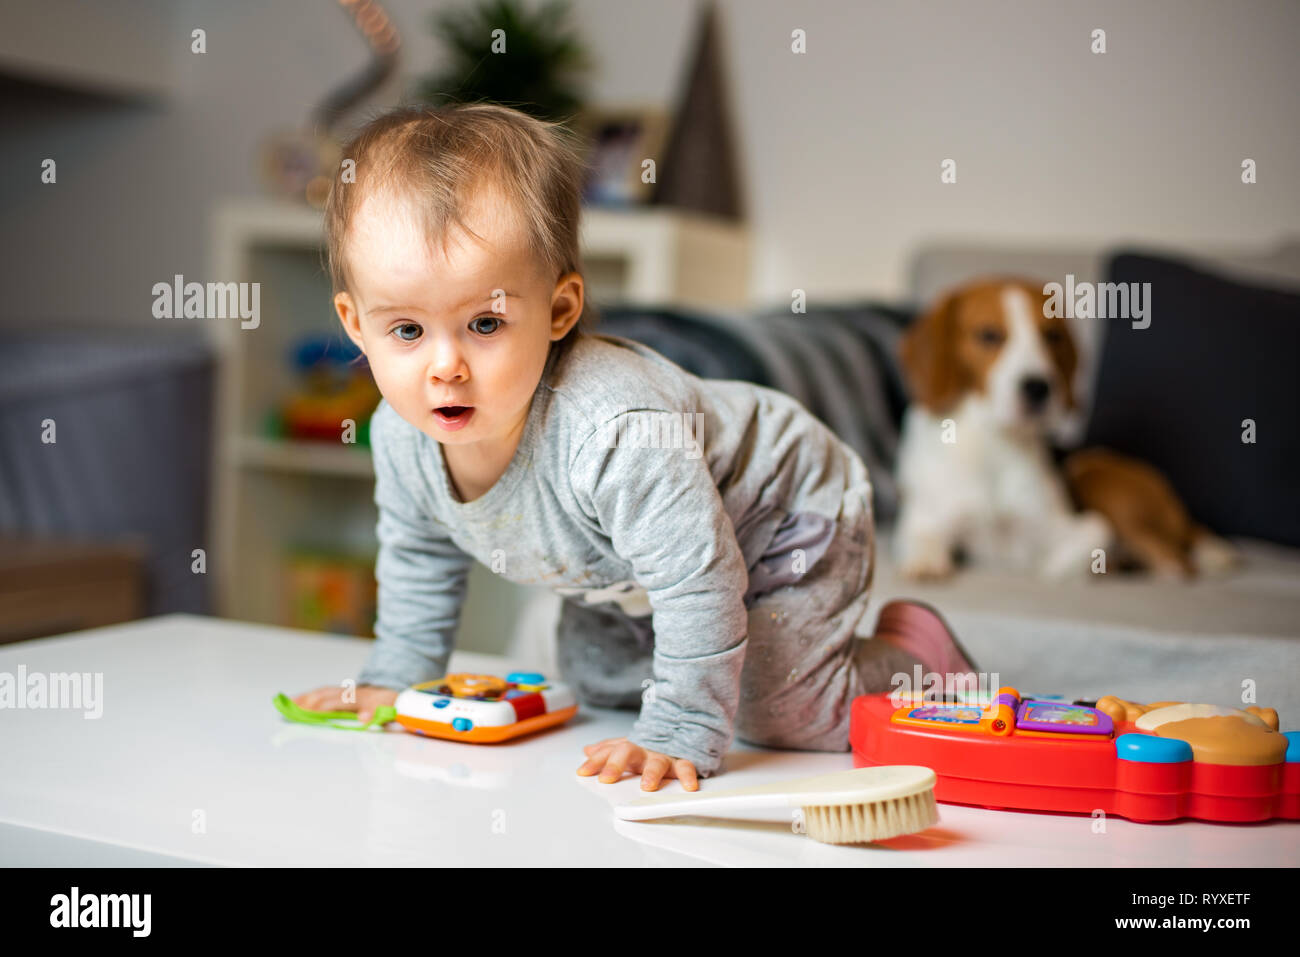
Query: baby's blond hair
x=441, y=156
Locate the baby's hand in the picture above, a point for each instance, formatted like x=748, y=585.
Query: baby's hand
x=330, y=698
x=617, y=755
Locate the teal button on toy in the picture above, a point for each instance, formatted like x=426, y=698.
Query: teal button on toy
x=462, y=724
x=1149, y=749
x=1292, y=746
x=526, y=678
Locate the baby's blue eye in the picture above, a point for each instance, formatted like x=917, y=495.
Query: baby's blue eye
x=408, y=325
x=489, y=319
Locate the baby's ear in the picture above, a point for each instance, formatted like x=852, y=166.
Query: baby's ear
x=350, y=318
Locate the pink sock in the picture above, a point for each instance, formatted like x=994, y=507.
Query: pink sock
x=919, y=631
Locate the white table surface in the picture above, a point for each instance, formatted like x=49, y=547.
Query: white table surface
x=188, y=726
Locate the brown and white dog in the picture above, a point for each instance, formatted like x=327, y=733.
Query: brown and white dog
x=991, y=375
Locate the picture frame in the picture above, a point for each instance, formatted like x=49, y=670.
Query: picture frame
x=618, y=140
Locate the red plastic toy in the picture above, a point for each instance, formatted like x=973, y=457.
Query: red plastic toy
x=1153, y=762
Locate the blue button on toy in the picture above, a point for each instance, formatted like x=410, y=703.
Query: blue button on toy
x=442, y=702
x=462, y=724
x=526, y=678
x=1292, y=746
x=1149, y=749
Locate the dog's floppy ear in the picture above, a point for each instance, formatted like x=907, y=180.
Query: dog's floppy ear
x=1069, y=365
x=928, y=354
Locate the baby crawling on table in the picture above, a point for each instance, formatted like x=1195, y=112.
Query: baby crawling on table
x=712, y=540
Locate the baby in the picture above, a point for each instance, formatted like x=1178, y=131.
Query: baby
x=713, y=541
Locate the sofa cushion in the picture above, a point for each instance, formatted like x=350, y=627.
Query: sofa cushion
x=1218, y=356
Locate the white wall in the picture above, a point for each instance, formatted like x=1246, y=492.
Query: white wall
x=1052, y=142
x=841, y=145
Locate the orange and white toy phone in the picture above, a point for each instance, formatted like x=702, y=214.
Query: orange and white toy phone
x=484, y=708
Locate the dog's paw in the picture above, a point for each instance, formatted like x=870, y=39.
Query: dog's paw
x=1075, y=551
x=1213, y=556
x=1065, y=564
x=1168, y=569
x=928, y=562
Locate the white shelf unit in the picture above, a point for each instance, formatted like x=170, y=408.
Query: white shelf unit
x=270, y=494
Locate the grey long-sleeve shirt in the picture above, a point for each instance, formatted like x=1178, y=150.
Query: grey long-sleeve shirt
x=630, y=472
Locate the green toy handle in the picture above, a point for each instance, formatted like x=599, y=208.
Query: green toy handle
x=343, y=720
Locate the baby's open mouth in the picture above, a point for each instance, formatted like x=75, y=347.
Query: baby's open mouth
x=451, y=411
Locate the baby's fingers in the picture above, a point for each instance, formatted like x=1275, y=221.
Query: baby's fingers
x=617, y=762
x=596, y=759
x=656, y=766
x=317, y=699
x=329, y=698
x=686, y=773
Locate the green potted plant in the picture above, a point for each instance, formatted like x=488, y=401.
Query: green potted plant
x=500, y=52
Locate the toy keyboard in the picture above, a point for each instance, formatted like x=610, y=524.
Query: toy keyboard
x=484, y=708
x=1144, y=762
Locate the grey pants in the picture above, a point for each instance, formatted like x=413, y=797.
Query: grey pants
x=803, y=664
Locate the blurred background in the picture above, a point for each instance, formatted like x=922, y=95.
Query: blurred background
x=797, y=224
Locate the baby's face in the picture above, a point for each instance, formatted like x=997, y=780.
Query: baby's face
x=466, y=325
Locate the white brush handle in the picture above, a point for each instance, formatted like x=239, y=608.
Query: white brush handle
x=773, y=802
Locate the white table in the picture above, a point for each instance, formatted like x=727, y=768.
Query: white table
x=188, y=733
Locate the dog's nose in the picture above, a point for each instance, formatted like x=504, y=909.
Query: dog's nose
x=1035, y=390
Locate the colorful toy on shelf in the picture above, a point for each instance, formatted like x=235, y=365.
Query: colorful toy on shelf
x=333, y=384
x=484, y=708
x=1154, y=762
x=323, y=590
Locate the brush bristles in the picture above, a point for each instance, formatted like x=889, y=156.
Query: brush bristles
x=878, y=821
